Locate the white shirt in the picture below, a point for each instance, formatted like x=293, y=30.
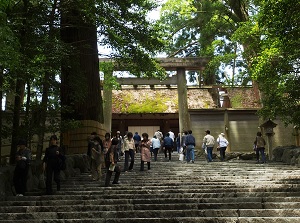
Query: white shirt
x=172, y=135
x=222, y=142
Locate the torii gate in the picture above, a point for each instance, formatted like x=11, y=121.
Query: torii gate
x=180, y=65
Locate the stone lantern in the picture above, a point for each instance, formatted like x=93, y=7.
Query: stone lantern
x=268, y=127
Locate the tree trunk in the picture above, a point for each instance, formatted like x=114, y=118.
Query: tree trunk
x=20, y=85
x=16, y=119
x=184, y=116
x=80, y=81
x=1, y=112
x=46, y=85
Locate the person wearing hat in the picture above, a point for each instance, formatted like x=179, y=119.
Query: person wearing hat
x=51, y=164
x=23, y=158
x=209, y=142
x=222, y=145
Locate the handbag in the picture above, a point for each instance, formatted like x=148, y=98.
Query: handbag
x=181, y=156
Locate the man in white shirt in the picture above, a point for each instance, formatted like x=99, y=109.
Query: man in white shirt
x=172, y=135
x=209, y=142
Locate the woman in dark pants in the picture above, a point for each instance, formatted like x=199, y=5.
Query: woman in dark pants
x=111, y=159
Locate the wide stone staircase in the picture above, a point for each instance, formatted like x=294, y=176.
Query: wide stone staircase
x=171, y=192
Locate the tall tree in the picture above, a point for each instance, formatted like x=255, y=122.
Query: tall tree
x=39, y=57
x=80, y=81
x=9, y=58
x=121, y=25
x=277, y=64
x=206, y=28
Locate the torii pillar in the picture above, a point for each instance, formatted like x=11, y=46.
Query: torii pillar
x=184, y=116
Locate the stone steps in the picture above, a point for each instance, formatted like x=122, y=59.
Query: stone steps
x=239, y=192
x=138, y=214
x=167, y=220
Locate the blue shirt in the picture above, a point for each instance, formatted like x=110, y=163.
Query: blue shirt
x=136, y=138
x=155, y=143
x=190, y=140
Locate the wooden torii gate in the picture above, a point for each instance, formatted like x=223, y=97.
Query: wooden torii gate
x=180, y=65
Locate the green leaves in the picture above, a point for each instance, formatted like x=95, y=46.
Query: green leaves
x=276, y=66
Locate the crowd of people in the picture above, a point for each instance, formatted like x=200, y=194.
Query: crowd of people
x=107, y=154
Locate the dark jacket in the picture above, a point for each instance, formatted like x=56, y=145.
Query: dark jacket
x=168, y=142
x=52, y=159
x=137, y=138
x=190, y=140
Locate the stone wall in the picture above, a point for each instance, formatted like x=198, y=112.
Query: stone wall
x=76, y=164
x=239, y=126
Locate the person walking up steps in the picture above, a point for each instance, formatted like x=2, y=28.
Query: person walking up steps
x=168, y=145
x=145, y=151
x=259, y=144
x=190, y=144
x=209, y=142
x=129, y=151
x=137, y=139
x=156, y=146
x=222, y=145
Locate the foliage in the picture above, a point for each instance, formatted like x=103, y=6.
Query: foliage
x=276, y=67
x=134, y=39
x=32, y=51
x=236, y=101
x=110, y=82
x=205, y=28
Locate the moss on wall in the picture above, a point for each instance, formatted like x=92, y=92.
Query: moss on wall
x=237, y=101
x=144, y=105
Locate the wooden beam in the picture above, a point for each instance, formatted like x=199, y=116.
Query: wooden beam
x=146, y=81
x=171, y=64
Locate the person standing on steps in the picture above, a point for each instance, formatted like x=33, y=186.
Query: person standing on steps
x=111, y=160
x=259, y=145
x=96, y=152
x=106, y=145
x=171, y=135
x=51, y=164
x=178, y=143
x=209, y=142
x=155, y=142
x=129, y=151
x=190, y=144
x=168, y=145
x=159, y=136
x=184, y=134
x=222, y=145
x=120, y=144
x=23, y=158
x=89, y=150
x=145, y=151
x=137, y=139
